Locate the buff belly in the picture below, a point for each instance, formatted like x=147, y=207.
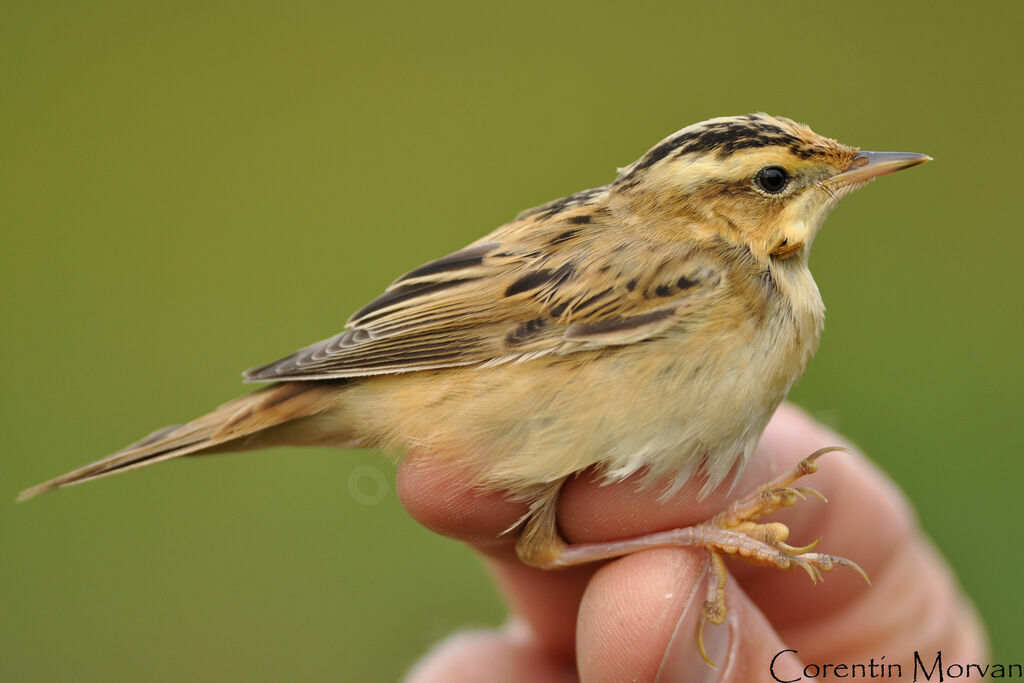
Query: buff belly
x=660, y=409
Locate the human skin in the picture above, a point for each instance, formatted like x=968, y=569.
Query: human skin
x=634, y=618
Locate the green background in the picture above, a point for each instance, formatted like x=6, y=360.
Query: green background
x=190, y=189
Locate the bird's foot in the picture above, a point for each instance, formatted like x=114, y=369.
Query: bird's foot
x=737, y=532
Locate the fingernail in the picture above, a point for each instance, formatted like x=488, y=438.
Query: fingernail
x=683, y=661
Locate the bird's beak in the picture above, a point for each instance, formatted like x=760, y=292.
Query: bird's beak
x=868, y=165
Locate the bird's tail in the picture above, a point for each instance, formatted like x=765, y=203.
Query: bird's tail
x=272, y=416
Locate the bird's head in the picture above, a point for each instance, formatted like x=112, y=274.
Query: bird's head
x=763, y=181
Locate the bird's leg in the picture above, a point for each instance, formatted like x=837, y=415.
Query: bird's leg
x=540, y=544
x=734, y=531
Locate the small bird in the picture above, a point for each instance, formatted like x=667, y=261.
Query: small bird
x=650, y=326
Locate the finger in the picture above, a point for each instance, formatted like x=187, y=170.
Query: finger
x=639, y=617
x=444, y=501
x=509, y=655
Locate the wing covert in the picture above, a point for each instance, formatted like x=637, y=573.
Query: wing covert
x=506, y=299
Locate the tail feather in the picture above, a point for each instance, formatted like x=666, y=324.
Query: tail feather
x=245, y=417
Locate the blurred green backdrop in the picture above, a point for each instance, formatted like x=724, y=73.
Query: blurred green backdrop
x=189, y=189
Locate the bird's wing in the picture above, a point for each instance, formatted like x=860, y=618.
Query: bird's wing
x=525, y=291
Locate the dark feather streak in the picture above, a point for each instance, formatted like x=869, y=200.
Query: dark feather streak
x=539, y=278
x=592, y=299
x=564, y=237
x=685, y=282
x=405, y=293
x=459, y=260
x=525, y=331
x=616, y=324
x=559, y=205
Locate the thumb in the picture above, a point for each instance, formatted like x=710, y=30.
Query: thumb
x=638, y=621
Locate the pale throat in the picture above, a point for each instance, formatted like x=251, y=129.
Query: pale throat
x=803, y=219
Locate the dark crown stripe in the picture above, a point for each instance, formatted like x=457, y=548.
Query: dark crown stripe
x=722, y=138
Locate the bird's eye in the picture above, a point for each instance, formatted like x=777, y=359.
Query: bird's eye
x=772, y=179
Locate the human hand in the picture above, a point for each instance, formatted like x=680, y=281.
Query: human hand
x=635, y=617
